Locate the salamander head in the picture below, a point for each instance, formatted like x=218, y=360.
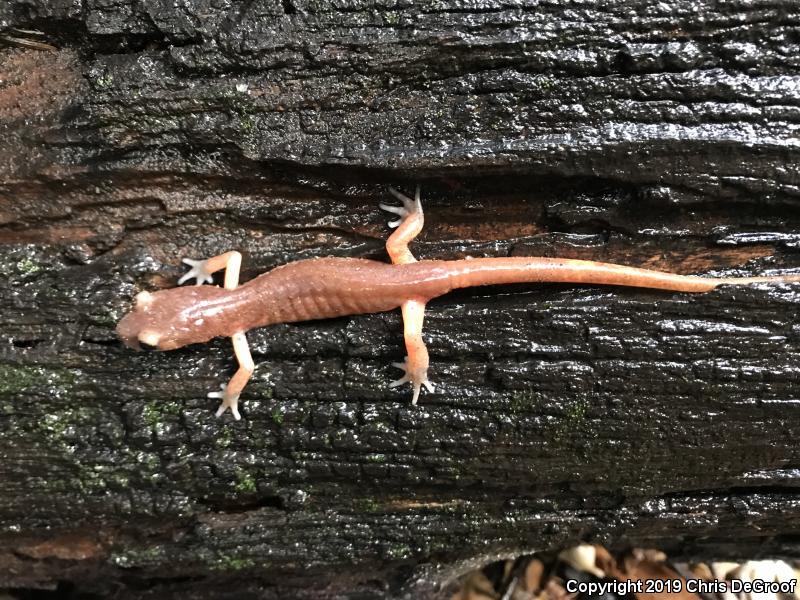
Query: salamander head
x=169, y=319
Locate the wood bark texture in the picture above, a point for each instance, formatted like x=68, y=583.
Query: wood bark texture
x=658, y=134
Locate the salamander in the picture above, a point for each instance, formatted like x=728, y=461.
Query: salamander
x=322, y=288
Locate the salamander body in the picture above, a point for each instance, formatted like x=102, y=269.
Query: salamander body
x=331, y=287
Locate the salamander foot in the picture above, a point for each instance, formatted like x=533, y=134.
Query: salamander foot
x=416, y=376
x=228, y=401
x=409, y=206
x=199, y=271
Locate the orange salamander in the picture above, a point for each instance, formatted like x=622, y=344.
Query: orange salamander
x=321, y=288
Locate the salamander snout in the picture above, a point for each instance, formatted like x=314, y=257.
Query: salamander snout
x=138, y=328
x=168, y=319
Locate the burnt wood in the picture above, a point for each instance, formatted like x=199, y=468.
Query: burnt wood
x=656, y=134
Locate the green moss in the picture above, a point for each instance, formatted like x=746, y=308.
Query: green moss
x=574, y=418
x=368, y=505
x=154, y=411
x=66, y=428
x=119, y=480
x=150, y=414
x=576, y=411
x=224, y=438
x=232, y=563
x=525, y=399
x=24, y=260
x=391, y=18
x=150, y=460
x=398, y=551
x=375, y=458
x=236, y=102
x=518, y=401
x=55, y=425
x=545, y=83
x=104, y=82
x=245, y=483
x=15, y=379
x=91, y=480
x=26, y=266
x=277, y=416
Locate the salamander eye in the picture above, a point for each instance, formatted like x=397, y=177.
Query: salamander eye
x=148, y=340
x=144, y=300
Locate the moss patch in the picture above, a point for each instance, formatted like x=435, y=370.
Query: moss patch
x=15, y=379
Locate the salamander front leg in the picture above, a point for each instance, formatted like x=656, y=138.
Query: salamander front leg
x=408, y=226
x=416, y=363
x=202, y=270
x=229, y=393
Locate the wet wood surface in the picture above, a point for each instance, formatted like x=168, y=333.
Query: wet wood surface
x=661, y=135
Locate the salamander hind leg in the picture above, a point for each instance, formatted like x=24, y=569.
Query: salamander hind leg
x=408, y=226
x=417, y=361
x=201, y=270
x=229, y=394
